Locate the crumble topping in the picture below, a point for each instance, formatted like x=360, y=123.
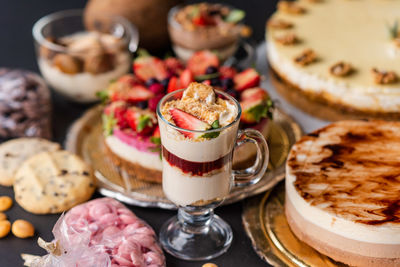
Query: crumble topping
x=290, y=7
x=307, y=57
x=341, y=69
x=383, y=76
x=200, y=101
x=287, y=39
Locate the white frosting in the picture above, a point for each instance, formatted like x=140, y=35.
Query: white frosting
x=382, y=234
x=129, y=153
x=183, y=189
x=350, y=31
x=82, y=87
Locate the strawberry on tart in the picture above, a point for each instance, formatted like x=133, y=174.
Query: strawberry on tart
x=131, y=131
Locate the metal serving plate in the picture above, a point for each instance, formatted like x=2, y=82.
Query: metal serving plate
x=265, y=223
x=85, y=138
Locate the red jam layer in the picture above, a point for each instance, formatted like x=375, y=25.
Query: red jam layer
x=195, y=168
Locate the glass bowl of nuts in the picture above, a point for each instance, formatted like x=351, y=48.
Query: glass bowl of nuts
x=78, y=63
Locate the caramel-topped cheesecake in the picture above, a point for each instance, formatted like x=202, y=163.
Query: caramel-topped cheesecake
x=343, y=192
x=341, y=54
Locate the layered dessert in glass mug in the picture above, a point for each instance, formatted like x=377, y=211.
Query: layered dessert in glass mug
x=199, y=130
x=209, y=26
x=78, y=63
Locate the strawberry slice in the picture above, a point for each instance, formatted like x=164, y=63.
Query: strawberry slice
x=201, y=60
x=136, y=93
x=254, y=94
x=174, y=65
x=146, y=67
x=187, y=121
x=186, y=78
x=255, y=105
x=174, y=84
x=141, y=121
x=227, y=72
x=199, y=21
x=246, y=79
x=129, y=79
x=117, y=111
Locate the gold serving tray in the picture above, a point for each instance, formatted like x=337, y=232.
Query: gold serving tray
x=265, y=223
x=85, y=138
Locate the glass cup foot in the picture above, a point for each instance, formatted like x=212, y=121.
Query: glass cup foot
x=196, y=237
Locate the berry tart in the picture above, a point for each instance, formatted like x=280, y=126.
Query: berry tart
x=131, y=131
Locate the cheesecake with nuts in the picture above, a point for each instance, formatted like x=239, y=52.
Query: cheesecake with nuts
x=337, y=59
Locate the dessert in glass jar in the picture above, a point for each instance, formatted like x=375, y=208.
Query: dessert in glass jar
x=202, y=26
x=79, y=63
x=199, y=129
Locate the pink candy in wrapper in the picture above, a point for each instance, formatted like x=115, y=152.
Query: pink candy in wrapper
x=102, y=233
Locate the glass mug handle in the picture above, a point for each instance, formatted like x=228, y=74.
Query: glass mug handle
x=253, y=174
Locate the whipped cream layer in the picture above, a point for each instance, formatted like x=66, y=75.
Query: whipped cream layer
x=130, y=153
x=82, y=87
x=351, y=31
x=184, y=189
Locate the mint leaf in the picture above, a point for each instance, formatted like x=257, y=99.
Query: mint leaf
x=393, y=30
x=210, y=135
x=214, y=125
x=235, y=16
x=103, y=95
x=155, y=140
x=262, y=110
x=109, y=123
x=195, y=12
x=144, y=120
x=141, y=52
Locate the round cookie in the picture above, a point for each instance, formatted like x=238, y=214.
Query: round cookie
x=14, y=152
x=53, y=182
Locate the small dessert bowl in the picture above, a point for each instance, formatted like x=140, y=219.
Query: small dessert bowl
x=205, y=26
x=198, y=175
x=78, y=63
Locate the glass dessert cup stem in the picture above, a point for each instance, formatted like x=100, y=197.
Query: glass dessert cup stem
x=196, y=234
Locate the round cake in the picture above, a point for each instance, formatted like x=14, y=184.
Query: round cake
x=342, y=192
x=337, y=59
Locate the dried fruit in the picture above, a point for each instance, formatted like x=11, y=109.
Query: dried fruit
x=341, y=69
x=306, y=57
x=384, y=77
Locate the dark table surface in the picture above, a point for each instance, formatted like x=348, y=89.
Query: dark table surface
x=16, y=50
